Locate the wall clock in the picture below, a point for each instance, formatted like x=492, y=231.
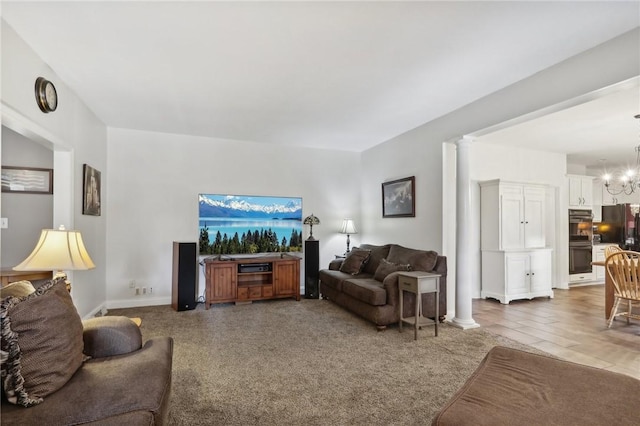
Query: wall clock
x=46, y=95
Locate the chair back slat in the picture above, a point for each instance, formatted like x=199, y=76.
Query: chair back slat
x=623, y=268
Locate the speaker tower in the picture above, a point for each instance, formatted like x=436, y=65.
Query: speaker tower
x=185, y=276
x=311, y=269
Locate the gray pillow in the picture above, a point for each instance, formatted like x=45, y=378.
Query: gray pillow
x=42, y=343
x=385, y=268
x=355, y=261
x=17, y=289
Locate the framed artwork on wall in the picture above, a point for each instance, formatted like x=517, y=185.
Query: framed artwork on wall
x=27, y=180
x=91, y=197
x=399, y=198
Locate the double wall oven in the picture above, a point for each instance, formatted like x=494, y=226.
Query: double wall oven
x=580, y=241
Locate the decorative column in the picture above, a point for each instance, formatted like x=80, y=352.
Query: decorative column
x=463, y=318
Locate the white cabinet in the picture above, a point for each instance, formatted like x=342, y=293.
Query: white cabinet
x=512, y=215
x=580, y=191
x=508, y=276
x=609, y=199
x=598, y=256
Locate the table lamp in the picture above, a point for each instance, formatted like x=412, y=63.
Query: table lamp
x=348, y=227
x=58, y=250
x=311, y=220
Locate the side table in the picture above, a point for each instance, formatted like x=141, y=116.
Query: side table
x=418, y=283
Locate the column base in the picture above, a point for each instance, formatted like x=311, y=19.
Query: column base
x=465, y=324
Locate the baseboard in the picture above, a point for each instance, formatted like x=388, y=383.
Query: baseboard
x=97, y=312
x=133, y=303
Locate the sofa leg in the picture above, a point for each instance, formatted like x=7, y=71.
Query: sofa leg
x=381, y=327
x=441, y=318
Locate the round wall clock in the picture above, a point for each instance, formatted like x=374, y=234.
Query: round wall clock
x=46, y=95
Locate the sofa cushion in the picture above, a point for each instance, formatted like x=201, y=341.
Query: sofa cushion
x=17, y=289
x=355, y=260
x=377, y=253
x=386, y=267
x=42, y=340
x=419, y=260
x=366, y=290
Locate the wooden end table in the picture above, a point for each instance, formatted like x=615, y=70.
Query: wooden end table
x=419, y=283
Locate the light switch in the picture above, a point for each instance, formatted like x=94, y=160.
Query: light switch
x=4, y=222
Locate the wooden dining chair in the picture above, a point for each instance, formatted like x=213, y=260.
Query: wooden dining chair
x=609, y=250
x=623, y=268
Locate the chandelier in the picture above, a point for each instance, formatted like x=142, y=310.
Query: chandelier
x=627, y=182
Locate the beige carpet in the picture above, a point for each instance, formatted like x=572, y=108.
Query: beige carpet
x=283, y=362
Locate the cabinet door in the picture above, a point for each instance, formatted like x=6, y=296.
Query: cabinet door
x=587, y=191
x=534, y=209
x=516, y=274
x=575, y=191
x=512, y=220
x=222, y=282
x=608, y=199
x=287, y=278
x=540, y=271
x=599, y=270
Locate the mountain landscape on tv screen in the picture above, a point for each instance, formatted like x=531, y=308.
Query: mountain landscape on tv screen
x=243, y=207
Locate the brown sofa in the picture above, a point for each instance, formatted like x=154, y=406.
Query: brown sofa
x=122, y=383
x=374, y=295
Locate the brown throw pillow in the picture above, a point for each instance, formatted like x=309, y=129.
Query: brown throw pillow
x=385, y=268
x=355, y=261
x=42, y=343
x=17, y=289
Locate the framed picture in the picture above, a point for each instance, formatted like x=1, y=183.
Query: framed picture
x=91, y=197
x=27, y=180
x=399, y=198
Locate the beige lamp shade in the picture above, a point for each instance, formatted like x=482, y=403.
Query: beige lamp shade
x=348, y=227
x=58, y=250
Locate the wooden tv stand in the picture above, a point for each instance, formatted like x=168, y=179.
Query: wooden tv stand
x=251, y=278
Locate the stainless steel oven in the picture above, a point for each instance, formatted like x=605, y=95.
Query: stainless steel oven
x=580, y=241
x=580, y=258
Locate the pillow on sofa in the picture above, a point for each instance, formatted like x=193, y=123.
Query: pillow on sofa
x=355, y=261
x=41, y=341
x=419, y=260
x=377, y=253
x=17, y=289
x=386, y=267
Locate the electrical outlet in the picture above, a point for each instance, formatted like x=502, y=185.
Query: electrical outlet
x=4, y=222
x=150, y=290
x=144, y=290
x=132, y=284
x=137, y=291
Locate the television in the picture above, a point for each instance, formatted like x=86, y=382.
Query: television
x=242, y=224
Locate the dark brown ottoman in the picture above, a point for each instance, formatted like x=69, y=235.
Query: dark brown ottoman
x=512, y=387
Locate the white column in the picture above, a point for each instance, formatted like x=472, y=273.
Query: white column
x=463, y=318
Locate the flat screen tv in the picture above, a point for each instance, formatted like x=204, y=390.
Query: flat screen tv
x=241, y=224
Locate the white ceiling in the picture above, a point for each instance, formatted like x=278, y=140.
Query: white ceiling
x=340, y=75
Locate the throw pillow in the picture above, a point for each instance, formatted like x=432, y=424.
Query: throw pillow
x=385, y=268
x=355, y=261
x=17, y=289
x=42, y=343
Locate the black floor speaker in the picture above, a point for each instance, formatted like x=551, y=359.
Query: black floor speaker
x=185, y=276
x=311, y=269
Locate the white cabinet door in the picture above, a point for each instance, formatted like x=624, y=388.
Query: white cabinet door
x=580, y=191
x=517, y=273
x=540, y=270
x=534, y=235
x=512, y=219
x=609, y=199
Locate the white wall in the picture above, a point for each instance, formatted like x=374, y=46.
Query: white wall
x=76, y=136
x=27, y=213
x=420, y=151
x=154, y=180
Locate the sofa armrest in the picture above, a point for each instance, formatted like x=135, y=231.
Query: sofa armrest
x=390, y=284
x=335, y=264
x=109, y=336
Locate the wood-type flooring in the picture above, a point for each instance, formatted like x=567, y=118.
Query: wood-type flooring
x=571, y=326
